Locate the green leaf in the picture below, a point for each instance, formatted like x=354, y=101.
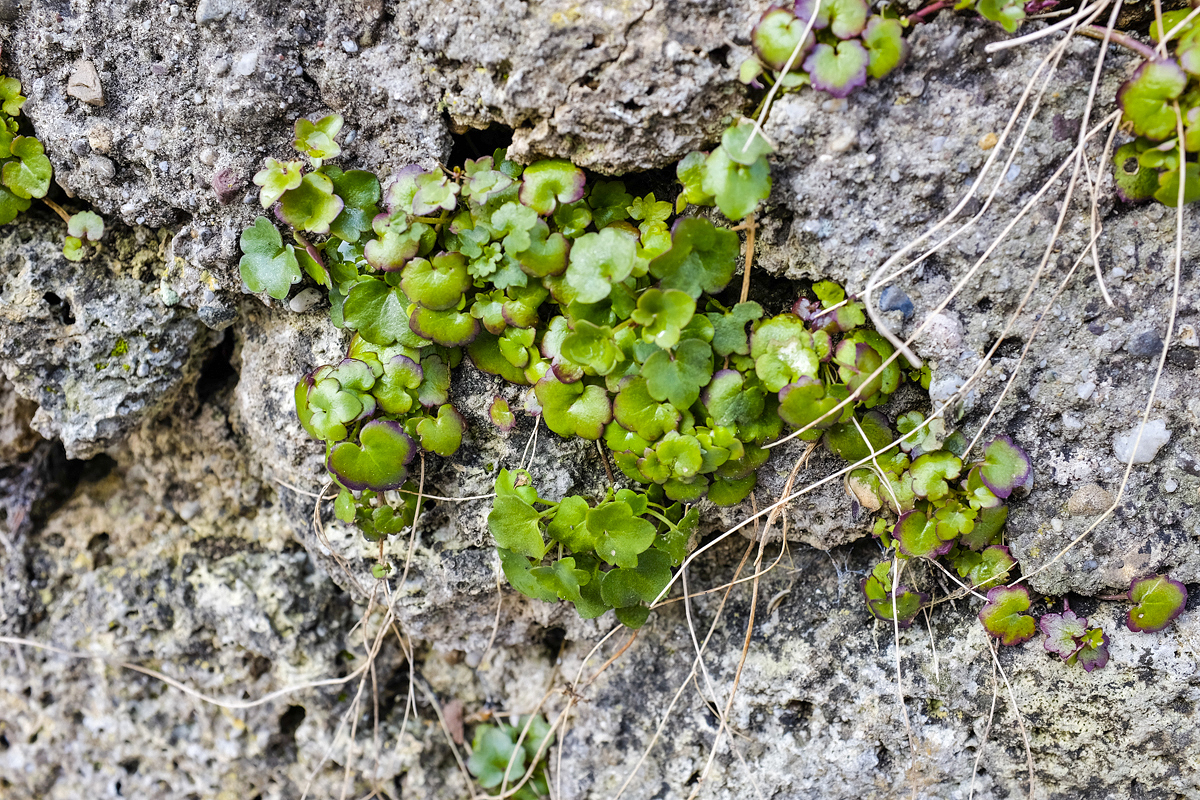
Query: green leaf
x=573, y=409
x=1147, y=98
x=635, y=410
x=743, y=145
x=991, y=566
x=343, y=507
x=1002, y=616
x=360, y=194
x=28, y=175
x=877, y=589
x=1134, y=182
x=86, y=225
x=609, y=203
x=932, y=472
x=562, y=579
x=1168, y=186
x=377, y=311
x=731, y=491
x=316, y=140
x=663, y=315
x=597, y=261
x=775, y=38
x=492, y=760
x=989, y=522
x=621, y=538
x=501, y=415
x=514, y=524
x=1156, y=601
x=702, y=258
x=736, y=188
x=1009, y=13
x=782, y=351
x=806, y=401
x=642, y=583
x=690, y=172
x=451, y=328
x=844, y=439
x=569, y=525
x=676, y=456
x=276, y=178
x=378, y=462
x=443, y=435
x=73, y=249
x=1005, y=466
x=886, y=46
x=677, y=378
x=10, y=96
x=917, y=536
x=591, y=347
x=266, y=264
x=437, y=284
x=549, y=182
x=11, y=205
x=397, y=242
x=729, y=329
x=729, y=401
x=312, y=206
x=435, y=192
x=394, y=388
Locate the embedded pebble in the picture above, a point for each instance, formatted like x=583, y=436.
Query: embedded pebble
x=80, y=147
x=246, y=64
x=894, y=299
x=84, y=84
x=1084, y=390
x=1144, y=345
x=1153, y=438
x=226, y=184
x=305, y=300
x=349, y=46
x=1170, y=486
x=102, y=167
x=1089, y=499
x=943, y=332
x=1071, y=422
x=1013, y=172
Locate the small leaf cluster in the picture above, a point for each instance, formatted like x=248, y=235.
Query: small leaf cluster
x=24, y=168
x=615, y=555
x=1153, y=164
x=496, y=758
x=735, y=177
x=942, y=507
x=1069, y=637
x=845, y=44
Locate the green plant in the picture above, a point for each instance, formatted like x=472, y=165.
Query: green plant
x=500, y=755
x=1069, y=637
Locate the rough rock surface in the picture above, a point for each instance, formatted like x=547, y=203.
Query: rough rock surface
x=188, y=543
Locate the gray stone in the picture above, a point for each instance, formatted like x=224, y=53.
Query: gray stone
x=84, y=84
x=212, y=10
x=893, y=298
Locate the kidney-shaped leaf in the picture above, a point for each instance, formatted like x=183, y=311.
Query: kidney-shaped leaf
x=378, y=462
x=1003, y=616
x=1156, y=601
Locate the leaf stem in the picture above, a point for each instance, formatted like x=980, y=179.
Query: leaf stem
x=57, y=209
x=1117, y=37
x=928, y=11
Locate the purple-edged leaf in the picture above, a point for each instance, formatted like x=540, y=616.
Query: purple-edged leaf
x=1156, y=601
x=804, y=10
x=1147, y=98
x=1005, y=466
x=1094, y=652
x=917, y=536
x=993, y=566
x=877, y=589
x=447, y=328
x=377, y=462
x=1063, y=632
x=444, y=434
x=775, y=37
x=838, y=71
x=1003, y=616
x=547, y=183
x=501, y=415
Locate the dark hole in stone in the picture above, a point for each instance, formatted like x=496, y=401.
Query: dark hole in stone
x=130, y=765
x=98, y=547
x=475, y=143
x=118, y=788
x=553, y=640
x=60, y=305
x=720, y=55
x=985, y=304
x=97, y=468
x=3, y=742
x=218, y=371
x=630, y=105
x=1009, y=348
x=282, y=744
x=47, y=699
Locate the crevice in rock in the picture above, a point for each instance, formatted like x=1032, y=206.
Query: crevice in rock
x=218, y=372
x=475, y=143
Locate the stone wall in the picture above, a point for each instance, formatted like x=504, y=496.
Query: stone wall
x=157, y=494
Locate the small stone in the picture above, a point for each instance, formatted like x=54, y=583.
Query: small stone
x=84, y=83
x=1144, y=345
x=349, y=46
x=190, y=510
x=219, y=67
x=80, y=147
x=1056, y=524
x=164, y=167
x=1154, y=436
x=894, y=299
x=305, y=300
x=894, y=175
x=246, y=64
x=1170, y=486
x=1013, y=172
x=1071, y=422
x=208, y=156
x=100, y=138
x=988, y=141
x=301, y=35
x=102, y=167
x=1089, y=500
x=1084, y=390
x=1188, y=337
x=213, y=10
x=227, y=185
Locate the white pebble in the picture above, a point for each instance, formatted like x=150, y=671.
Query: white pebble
x=1084, y=390
x=1170, y=486
x=305, y=300
x=1154, y=436
x=349, y=46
